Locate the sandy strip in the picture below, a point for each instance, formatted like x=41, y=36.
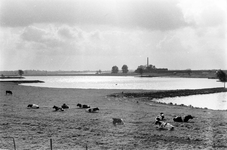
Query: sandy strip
x=75, y=128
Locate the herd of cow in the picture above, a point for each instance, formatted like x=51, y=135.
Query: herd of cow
x=159, y=120
x=64, y=107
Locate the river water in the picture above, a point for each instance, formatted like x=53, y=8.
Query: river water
x=212, y=101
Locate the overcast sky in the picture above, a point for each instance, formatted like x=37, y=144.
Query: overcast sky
x=99, y=34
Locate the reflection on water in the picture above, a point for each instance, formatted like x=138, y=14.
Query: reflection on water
x=211, y=101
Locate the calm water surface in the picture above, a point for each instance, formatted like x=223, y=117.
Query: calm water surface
x=212, y=101
x=125, y=82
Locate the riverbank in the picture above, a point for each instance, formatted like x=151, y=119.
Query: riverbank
x=76, y=129
x=22, y=81
x=170, y=93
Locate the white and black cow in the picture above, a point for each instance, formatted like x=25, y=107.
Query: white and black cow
x=179, y=119
x=56, y=108
x=64, y=106
x=92, y=110
x=33, y=106
x=164, y=125
x=160, y=117
x=83, y=106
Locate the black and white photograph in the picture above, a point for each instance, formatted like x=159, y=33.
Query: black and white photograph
x=113, y=74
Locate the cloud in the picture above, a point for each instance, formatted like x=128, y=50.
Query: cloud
x=40, y=38
x=149, y=14
x=68, y=33
x=34, y=34
x=204, y=13
x=51, y=37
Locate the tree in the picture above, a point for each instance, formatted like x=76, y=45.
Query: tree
x=221, y=76
x=20, y=72
x=140, y=70
x=124, y=69
x=115, y=69
x=98, y=72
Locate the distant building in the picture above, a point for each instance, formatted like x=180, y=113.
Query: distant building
x=149, y=68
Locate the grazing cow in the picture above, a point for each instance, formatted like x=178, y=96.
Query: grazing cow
x=58, y=108
x=118, y=121
x=83, y=106
x=164, y=125
x=9, y=93
x=179, y=119
x=92, y=110
x=34, y=106
x=64, y=106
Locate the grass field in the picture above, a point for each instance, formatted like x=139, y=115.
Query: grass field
x=75, y=128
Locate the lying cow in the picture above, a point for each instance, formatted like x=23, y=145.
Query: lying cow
x=92, y=110
x=56, y=108
x=83, y=106
x=117, y=121
x=186, y=118
x=164, y=125
x=34, y=106
x=64, y=106
x=179, y=119
x=160, y=117
x=9, y=93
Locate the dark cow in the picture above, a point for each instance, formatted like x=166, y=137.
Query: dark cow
x=64, y=106
x=34, y=106
x=83, y=106
x=9, y=93
x=179, y=119
x=92, y=110
x=58, y=108
x=186, y=118
x=117, y=121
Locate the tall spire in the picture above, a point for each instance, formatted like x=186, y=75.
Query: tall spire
x=147, y=61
